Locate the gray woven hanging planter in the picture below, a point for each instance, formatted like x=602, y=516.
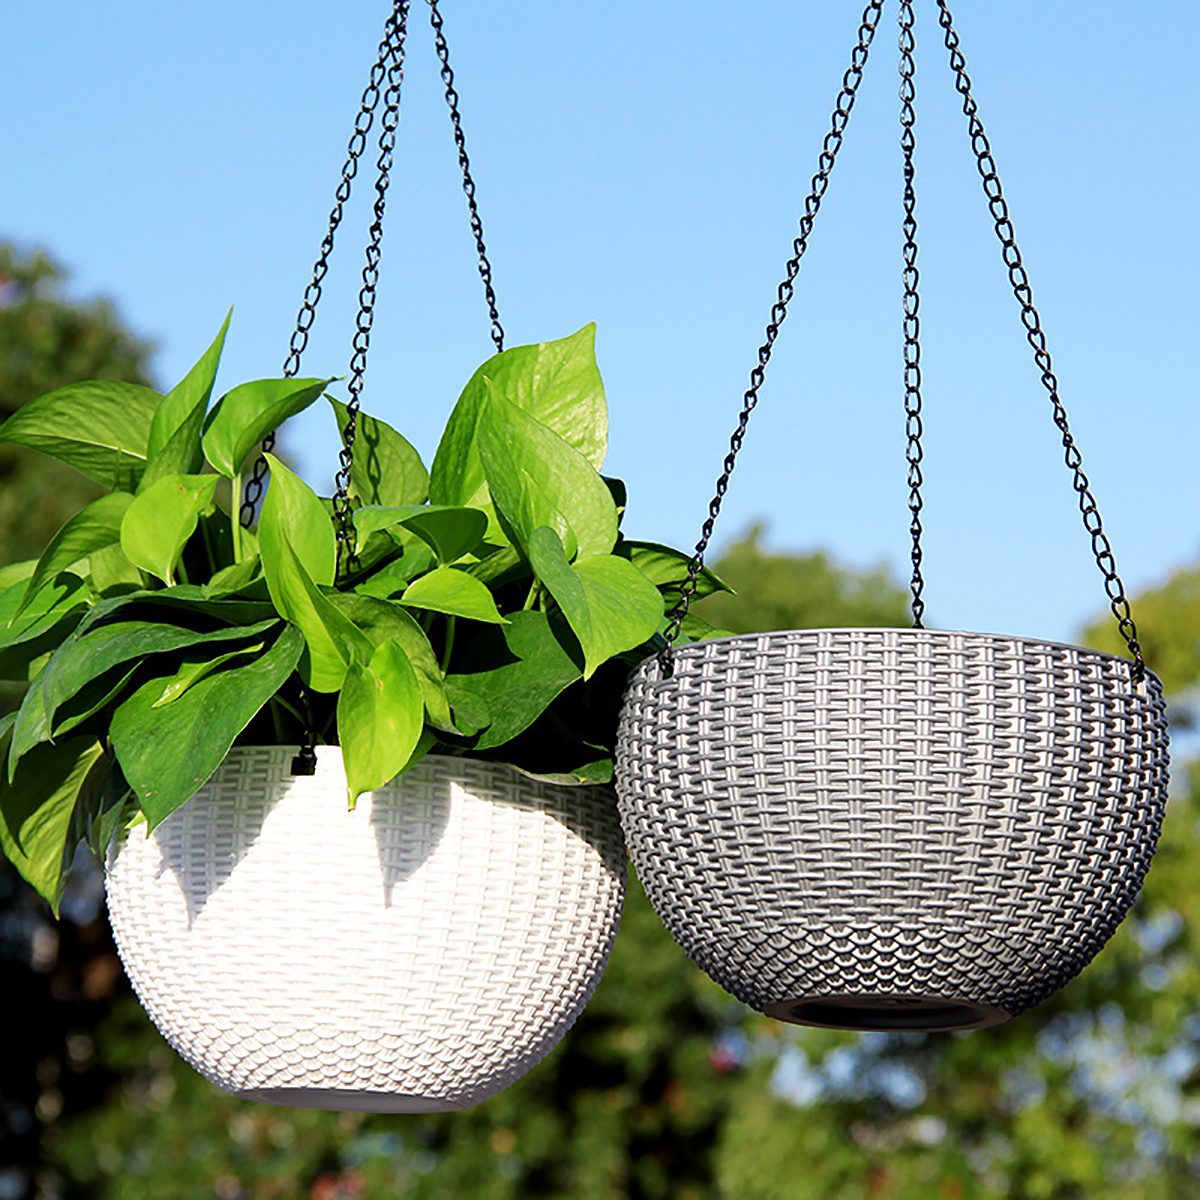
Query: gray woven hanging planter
x=894, y=828
x=891, y=828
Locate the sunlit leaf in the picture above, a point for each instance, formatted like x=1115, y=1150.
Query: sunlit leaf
x=244, y=416
x=385, y=469
x=537, y=479
x=160, y=520
x=380, y=717
x=558, y=383
x=449, y=590
x=94, y=528
x=610, y=605
x=293, y=513
x=101, y=428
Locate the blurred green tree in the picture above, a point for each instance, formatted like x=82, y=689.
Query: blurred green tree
x=58, y=977
x=47, y=341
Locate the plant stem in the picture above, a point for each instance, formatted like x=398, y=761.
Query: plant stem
x=533, y=593
x=235, y=516
x=451, y=623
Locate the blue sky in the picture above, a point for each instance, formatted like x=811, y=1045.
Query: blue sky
x=643, y=165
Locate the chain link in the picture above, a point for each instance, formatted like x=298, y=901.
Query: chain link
x=820, y=181
x=370, y=282
x=1101, y=548
x=485, y=267
x=912, y=304
x=255, y=485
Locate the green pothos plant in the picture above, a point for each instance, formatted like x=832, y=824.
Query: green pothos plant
x=487, y=606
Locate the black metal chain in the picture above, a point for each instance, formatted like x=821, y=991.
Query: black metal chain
x=485, y=267
x=370, y=282
x=912, y=304
x=820, y=181
x=393, y=28
x=1101, y=548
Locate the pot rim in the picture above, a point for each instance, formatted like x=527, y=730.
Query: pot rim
x=903, y=631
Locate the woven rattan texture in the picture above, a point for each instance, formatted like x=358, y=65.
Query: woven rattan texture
x=418, y=953
x=891, y=812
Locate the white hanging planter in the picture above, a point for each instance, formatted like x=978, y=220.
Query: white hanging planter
x=417, y=954
x=891, y=828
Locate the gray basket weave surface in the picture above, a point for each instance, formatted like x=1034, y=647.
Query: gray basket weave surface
x=890, y=828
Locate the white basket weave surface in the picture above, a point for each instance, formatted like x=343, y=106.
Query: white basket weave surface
x=416, y=954
x=880, y=828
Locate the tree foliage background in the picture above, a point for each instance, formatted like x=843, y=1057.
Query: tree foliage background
x=666, y=1087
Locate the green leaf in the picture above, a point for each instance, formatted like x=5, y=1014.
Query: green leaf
x=244, y=416
x=558, y=383
x=333, y=641
x=196, y=664
x=189, y=603
x=449, y=590
x=174, y=446
x=101, y=428
x=98, y=649
x=181, y=403
x=394, y=577
x=293, y=513
x=596, y=771
x=42, y=626
x=97, y=526
x=168, y=753
x=380, y=717
x=449, y=532
x=45, y=810
x=668, y=569
x=516, y=670
x=610, y=605
x=160, y=520
x=385, y=470
x=31, y=726
x=110, y=573
x=234, y=578
x=383, y=622
x=537, y=479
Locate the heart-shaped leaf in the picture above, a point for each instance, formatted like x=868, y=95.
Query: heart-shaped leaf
x=385, y=469
x=537, y=479
x=167, y=753
x=450, y=532
x=380, y=716
x=244, y=416
x=174, y=441
x=293, y=513
x=516, y=670
x=92, y=529
x=44, y=810
x=162, y=517
x=449, y=590
x=382, y=622
x=558, y=383
x=101, y=428
x=610, y=605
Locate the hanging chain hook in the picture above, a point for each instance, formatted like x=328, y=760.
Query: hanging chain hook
x=812, y=205
x=366, y=296
x=256, y=484
x=485, y=267
x=912, y=303
x=1101, y=549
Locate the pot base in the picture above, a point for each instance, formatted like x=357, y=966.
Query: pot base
x=349, y=1100
x=877, y=1012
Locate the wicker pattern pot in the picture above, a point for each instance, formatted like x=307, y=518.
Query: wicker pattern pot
x=417, y=954
x=890, y=829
